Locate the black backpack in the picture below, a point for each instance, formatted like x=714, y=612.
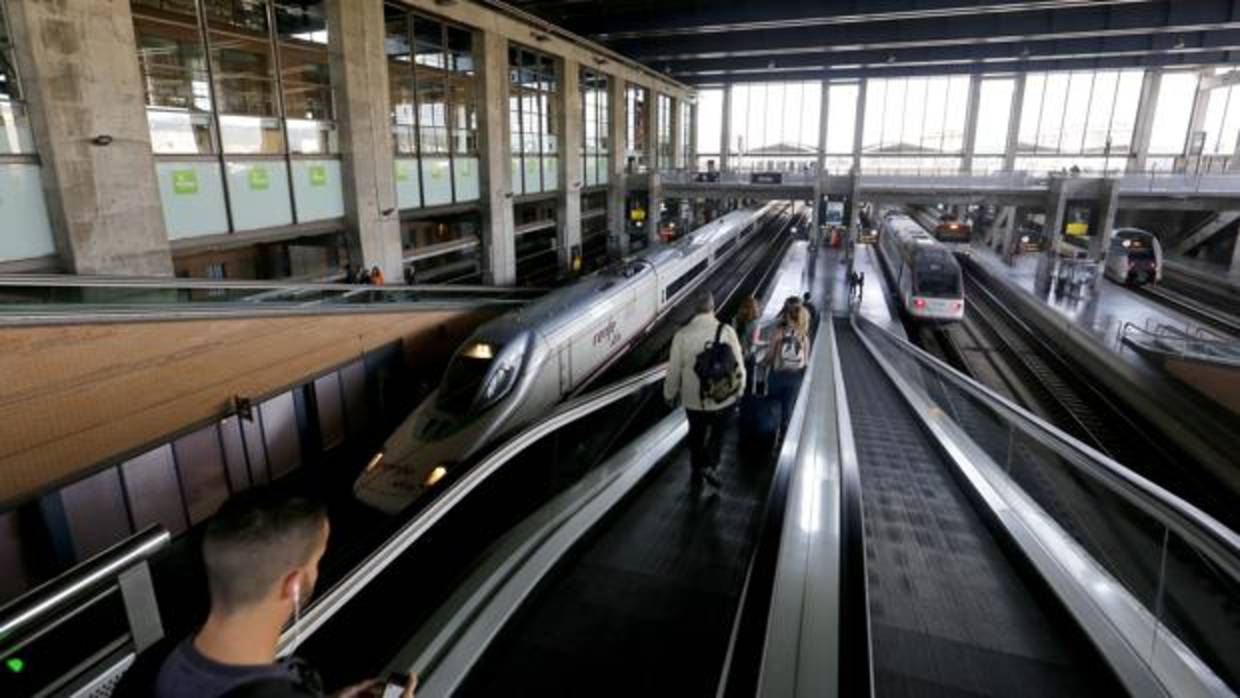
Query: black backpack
x=716, y=369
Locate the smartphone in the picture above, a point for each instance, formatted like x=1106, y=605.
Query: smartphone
x=395, y=686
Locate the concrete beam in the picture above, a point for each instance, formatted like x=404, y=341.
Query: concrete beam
x=617, y=190
x=81, y=79
x=1056, y=208
x=359, y=75
x=1013, y=134
x=1234, y=268
x=568, y=200
x=970, y=123
x=499, y=241
x=1104, y=215
x=725, y=138
x=1206, y=231
x=1143, y=126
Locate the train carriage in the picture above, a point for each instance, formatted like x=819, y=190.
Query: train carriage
x=924, y=272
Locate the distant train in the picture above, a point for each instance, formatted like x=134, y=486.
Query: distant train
x=924, y=272
x=1135, y=257
x=515, y=368
x=954, y=233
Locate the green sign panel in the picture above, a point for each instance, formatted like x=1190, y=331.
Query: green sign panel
x=15, y=664
x=318, y=175
x=259, y=181
x=184, y=182
x=402, y=173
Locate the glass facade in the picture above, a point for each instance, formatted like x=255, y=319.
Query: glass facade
x=994, y=115
x=1079, y=119
x=1173, y=113
x=433, y=90
x=920, y=116
x=1222, y=120
x=776, y=124
x=686, y=133
x=636, y=127
x=533, y=120
x=664, y=156
x=596, y=127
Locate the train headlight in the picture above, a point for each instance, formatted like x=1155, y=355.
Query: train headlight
x=436, y=475
x=919, y=303
x=1024, y=239
x=374, y=461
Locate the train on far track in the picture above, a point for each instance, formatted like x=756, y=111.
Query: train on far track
x=1135, y=257
x=512, y=370
x=954, y=233
x=923, y=270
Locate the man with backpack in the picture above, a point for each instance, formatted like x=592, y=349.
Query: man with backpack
x=706, y=372
x=789, y=355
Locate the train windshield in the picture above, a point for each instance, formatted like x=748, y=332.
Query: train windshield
x=1136, y=246
x=936, y=276
x=952, y=232
x=480, y=374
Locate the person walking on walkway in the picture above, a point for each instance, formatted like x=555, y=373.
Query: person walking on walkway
x=789, y=355
x=748, y=325
x=706, y=372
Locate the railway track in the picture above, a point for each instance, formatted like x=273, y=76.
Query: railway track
x=1193, y=306
x=1050, y=385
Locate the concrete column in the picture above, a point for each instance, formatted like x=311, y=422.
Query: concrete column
x=859, y=127
x=725, y=140
x=854, y=205
x=692, y=111
x=1056, y=208
x=652, y=130
x=678, y=141
x=359, y=75
x=499, y=241
x=1104, y=215
x=568, y=201
x=1013, y=135
x=820, y=167
x=1143, y=126
x=80, y=73
x=1005, y=240
x=1235, y=257
x=617, y=194
x=970, y=123
x=654, y=202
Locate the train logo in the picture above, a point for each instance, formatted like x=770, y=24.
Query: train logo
x=609, y=335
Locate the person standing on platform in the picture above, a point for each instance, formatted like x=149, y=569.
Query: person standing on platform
x=261, y=552
x=789, y=356
x=363, y=276
x=811, y=311
x=376, y=275
x=706, y=372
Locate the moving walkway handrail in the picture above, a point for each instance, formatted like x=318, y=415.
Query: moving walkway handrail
x=413, y=530
x=1204, y=532
x=74, y=281
x=35, y=609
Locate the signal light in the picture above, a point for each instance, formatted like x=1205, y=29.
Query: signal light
x=919, y=303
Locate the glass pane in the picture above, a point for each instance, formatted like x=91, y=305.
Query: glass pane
x=893, y=115
x=1229, y=136
x=935, y=100
x=8, y=66
x=993, y=116
x=1075, y=111
x=462, y=91
x=302, y=29
x=248, y=16
x=953, y=120
x=245, y=79
x=1216, y=110
x=1050, y=132
x=913, y=124
x=1101, y=105
x=709, y=121
x=400, y=81
x=432, y=111
x=1172, y=113
x=841, y=117
x=1031, y=113
x=1124, y=115
x=875, y=107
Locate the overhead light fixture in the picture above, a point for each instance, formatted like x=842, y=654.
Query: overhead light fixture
x=1179, y=42
x=770, y=65
x=1024, y=52
x=891, y=58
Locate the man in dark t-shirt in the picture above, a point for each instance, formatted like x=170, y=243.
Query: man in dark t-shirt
x=261, y=552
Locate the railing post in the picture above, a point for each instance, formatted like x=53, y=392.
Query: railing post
x=141, y=607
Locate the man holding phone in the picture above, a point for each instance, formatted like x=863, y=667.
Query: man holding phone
x=262, y=553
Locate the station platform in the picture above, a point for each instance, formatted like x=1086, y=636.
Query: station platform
x=875, y=305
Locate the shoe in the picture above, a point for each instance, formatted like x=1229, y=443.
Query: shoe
x=712, y=478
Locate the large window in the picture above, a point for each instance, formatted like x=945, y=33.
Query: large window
x=596, y=122
x=686, y=133
x=1173, y=113
x=433, y=93
x=14, y=127
x=267, y=79
x=915, y=116
x=842, y=98
x=637, y=130
x=249, y=95
x=1079, y=119
x=776, y=125
x=663, y=132
x=994, y=116
x=533, y=120
x=1222, y=119
x=709, y=115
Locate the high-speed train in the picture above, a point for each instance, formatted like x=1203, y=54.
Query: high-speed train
x=514, y=368
x=1135, y=257
x=925, y=273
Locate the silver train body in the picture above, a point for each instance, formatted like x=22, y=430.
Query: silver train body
x=515, y=368
x=1135, y=257
x=924, y=272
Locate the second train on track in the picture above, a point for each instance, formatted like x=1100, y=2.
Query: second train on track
x=924, y=272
